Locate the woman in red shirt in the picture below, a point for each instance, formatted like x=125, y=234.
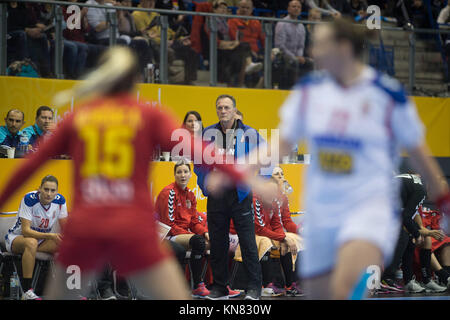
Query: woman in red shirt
x=176, y=206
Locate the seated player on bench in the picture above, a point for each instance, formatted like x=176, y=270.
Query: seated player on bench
x=176, y=206
x=38, y=212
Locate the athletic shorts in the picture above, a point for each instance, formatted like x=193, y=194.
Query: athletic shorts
x=9, y=238
x=372, y=222
x=127, y=256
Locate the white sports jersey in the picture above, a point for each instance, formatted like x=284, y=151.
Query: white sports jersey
x=42, y=218
x=354, y=135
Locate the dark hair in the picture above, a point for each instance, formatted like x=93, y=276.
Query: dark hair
x=16, y=110
x=43, y=108
x=181, y=162
x=345, y=30
x=196, y=114
x=223, y=96
x=49, y=178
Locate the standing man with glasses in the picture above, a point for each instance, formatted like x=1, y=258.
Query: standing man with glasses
x=234, y=203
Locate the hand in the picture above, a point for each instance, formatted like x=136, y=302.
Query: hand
x=186, y=42
x=418, y=241
x=33, y=32
x=50, y=127
x=301, y=60
x=437, y=234
x=267, y=191
x=289, y=246
x=216, y=181
x=40, y=26
x=56, y=237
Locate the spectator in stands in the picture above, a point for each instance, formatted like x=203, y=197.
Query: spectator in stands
x=193, y=122
x=43, y=126
x=99, y=25
x=342, y=6
x=419, y=15
x=443, y=18
x=74, y=52
x=133, y=37
x=290, y=39
x=176, y=206
x=179, y=49
x=10, y=133
x=234, y=57
x=268, y=225
x=359, y=8
x=37, y=41
x=38, y=213
x=313, y=15
x=247, y=30
x=444, y=15
x=17, y=47
x=176, y=22
x=78, y=35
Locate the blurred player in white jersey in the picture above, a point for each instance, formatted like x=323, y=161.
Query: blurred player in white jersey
x=355, y=120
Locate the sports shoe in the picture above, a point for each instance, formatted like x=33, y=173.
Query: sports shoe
x=389, y=285
x=414, y=287
x=272, y=290
x=107, y=294
x=200, y=291
x=233, y=293
x=294, y=290
x=30, y=295
x=216, y=295
x=252, y=295
x=433, y=287
x=253, y=67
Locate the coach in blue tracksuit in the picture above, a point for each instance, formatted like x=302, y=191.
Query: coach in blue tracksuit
x=234, y=138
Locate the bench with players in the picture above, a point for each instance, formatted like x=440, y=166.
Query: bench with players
x=423, y=251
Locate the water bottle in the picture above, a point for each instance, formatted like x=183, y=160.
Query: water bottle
x=150, y=73
x=23, y=143
x=294, y=154
x=14, y=287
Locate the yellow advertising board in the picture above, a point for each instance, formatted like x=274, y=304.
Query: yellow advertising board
x=162, y=175
x=260, y=107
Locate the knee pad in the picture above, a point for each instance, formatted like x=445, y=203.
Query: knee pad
x=198, y=245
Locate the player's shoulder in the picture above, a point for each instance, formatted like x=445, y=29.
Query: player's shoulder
x=169, y=190
x=59, y=199
x=313, y=78
x=31, y=199
x=390, y=87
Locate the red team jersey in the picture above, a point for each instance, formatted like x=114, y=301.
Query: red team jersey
x=268, y=220
x=177, y=208
x=288, y=224
x=111, y=140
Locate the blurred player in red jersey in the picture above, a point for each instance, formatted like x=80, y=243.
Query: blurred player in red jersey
x=111, y=138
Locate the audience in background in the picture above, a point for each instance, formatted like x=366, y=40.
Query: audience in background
x=10, y=133
x=43, y=126
x=290, y=39
x=234, y=57
x=99, y=24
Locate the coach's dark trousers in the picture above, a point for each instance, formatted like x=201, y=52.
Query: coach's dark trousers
x=220, y=212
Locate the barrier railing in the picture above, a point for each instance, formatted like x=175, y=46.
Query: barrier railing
x=267, y=25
